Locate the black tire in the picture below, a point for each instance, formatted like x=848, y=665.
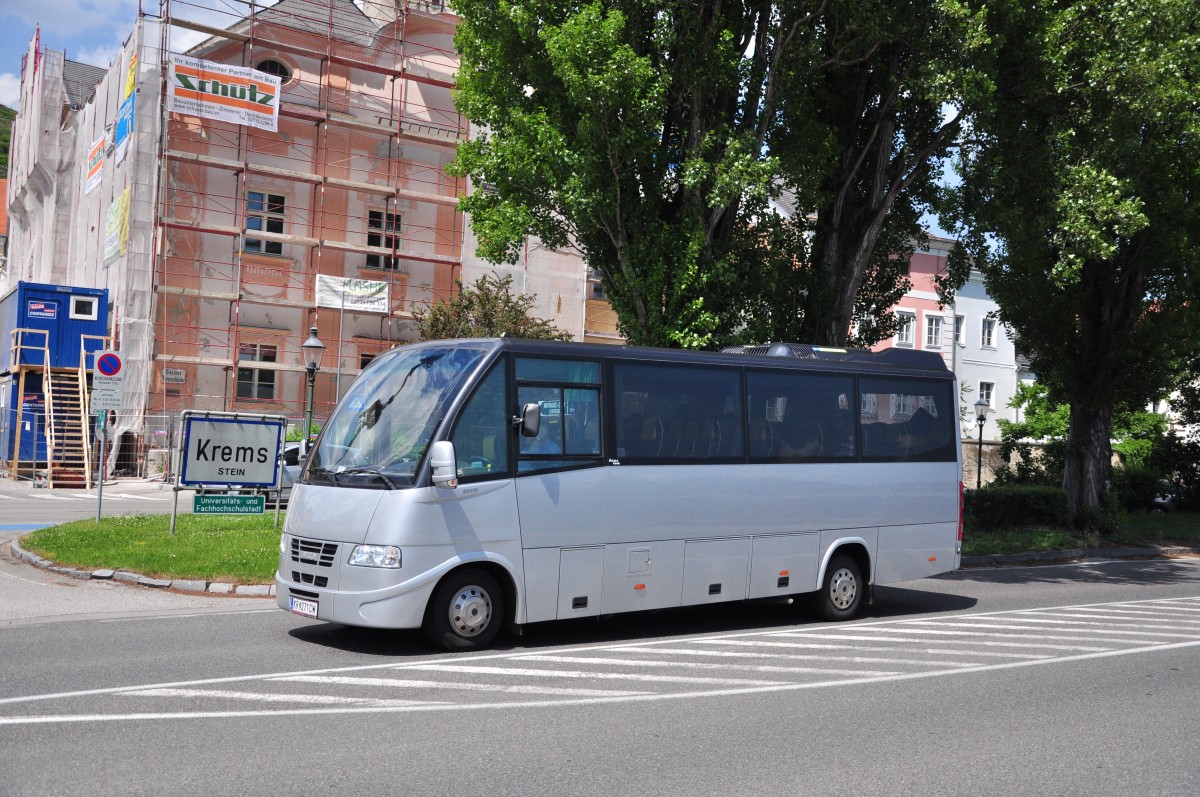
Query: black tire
x=466, y=611
x=841, y=592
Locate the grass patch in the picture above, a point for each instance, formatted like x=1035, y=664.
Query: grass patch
x=1160, y=528
x=1006, y=541
x=230, y=548
x=1139, y=530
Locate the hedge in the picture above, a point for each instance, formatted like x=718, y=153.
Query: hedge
x=1005, y=506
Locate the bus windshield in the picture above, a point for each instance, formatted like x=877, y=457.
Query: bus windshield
x=383, y=425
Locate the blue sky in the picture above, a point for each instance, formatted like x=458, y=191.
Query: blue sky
x=91, y=31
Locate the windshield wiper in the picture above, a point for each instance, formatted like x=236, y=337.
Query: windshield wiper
x=325, y=473
x=369, y=470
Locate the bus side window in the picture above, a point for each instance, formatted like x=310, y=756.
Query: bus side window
x=677, y=414
x=906, y=419
x=480, y=439
x=798, y=416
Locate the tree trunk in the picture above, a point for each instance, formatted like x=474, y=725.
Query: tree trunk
x=1089, y=462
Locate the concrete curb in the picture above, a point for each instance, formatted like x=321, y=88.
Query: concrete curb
x=192, y=586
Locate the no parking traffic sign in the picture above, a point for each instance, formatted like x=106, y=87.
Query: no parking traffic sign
x=108, y=381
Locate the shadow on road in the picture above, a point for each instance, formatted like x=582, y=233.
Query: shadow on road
x=637, y=626
x=1147, y=572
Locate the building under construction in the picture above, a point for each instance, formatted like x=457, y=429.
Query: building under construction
x=243, y=172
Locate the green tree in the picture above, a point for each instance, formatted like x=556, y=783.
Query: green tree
x=488, y=309
x=653, y=135
x=1137, y=436
x=7, y=116
x=1079, y=204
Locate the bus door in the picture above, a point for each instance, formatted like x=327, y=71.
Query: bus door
x=562, y=495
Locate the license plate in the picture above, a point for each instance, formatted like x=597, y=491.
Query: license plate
x=305, y=608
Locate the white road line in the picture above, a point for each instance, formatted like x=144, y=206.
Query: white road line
x=1095, y=625
x=1141, y=610
x=1131, y=620
x=600, y=676
x=1009, y=627
x=9, y=497
x=864, y=649
x=695, y=665
x=741, y=654
x=1180, y=605
x=402, y=683
x=810, y=646
x=808, y=657
x=921, y=640
x=266, y=697
x=977, y=633
x=792, y=687
x=48, y=497
x=136, y=497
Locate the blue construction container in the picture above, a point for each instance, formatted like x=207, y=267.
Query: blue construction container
x=56, y=318
x=37, y=321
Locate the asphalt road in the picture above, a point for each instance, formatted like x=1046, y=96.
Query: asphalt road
x=1070, y=679
x=23, y=505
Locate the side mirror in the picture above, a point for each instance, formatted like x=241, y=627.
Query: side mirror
x=530, y=419
x=443, y=464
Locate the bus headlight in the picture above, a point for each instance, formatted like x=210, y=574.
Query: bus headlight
x=284, y=543
x=375, y=556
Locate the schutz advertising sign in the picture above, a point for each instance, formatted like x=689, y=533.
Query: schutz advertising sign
x=230, y=93
x=235, y=449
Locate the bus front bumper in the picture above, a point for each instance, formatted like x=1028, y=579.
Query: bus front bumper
x=398, y=606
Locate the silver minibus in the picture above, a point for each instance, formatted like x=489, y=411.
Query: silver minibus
x=465, y=486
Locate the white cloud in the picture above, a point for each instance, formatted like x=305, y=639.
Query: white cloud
x=10, y=89
x=100, y=55
x=72, y=17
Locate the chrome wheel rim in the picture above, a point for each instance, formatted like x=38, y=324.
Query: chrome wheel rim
x=843, y=589
x=470, y=611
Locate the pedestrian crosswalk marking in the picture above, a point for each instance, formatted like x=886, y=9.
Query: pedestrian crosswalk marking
x=741, y=663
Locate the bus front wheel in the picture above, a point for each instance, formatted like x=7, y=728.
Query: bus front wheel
x=841, y=592
x=465, y=612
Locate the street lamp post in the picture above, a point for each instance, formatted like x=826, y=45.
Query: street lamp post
x=981, y=411
x=312, y=348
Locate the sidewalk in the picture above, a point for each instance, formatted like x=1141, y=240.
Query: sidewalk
x=1072, y=554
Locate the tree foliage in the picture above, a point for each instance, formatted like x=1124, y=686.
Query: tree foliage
x=1079, y=203
x=1138, y=435
x=7, y=116
x=487, y=309
x=659, y=137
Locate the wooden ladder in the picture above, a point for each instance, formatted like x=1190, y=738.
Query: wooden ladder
x=68, y=435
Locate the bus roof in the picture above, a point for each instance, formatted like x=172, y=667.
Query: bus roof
x=787, y=355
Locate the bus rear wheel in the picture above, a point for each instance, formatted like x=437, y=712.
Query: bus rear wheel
x=465, y=612
x=841, y=592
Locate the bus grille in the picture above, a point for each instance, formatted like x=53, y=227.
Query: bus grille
x=309, y=578
x=312, y=552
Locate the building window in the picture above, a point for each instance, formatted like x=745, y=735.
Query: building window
x=364, y=359
x=960, y=330
x=264, y=213
x=256, y=383
x=933, y=332
x=595, y=288
x=273, y=66
x=904, y=329
x=85, y=308
x=383, y=230
x=986, y=389
x=987, y=334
